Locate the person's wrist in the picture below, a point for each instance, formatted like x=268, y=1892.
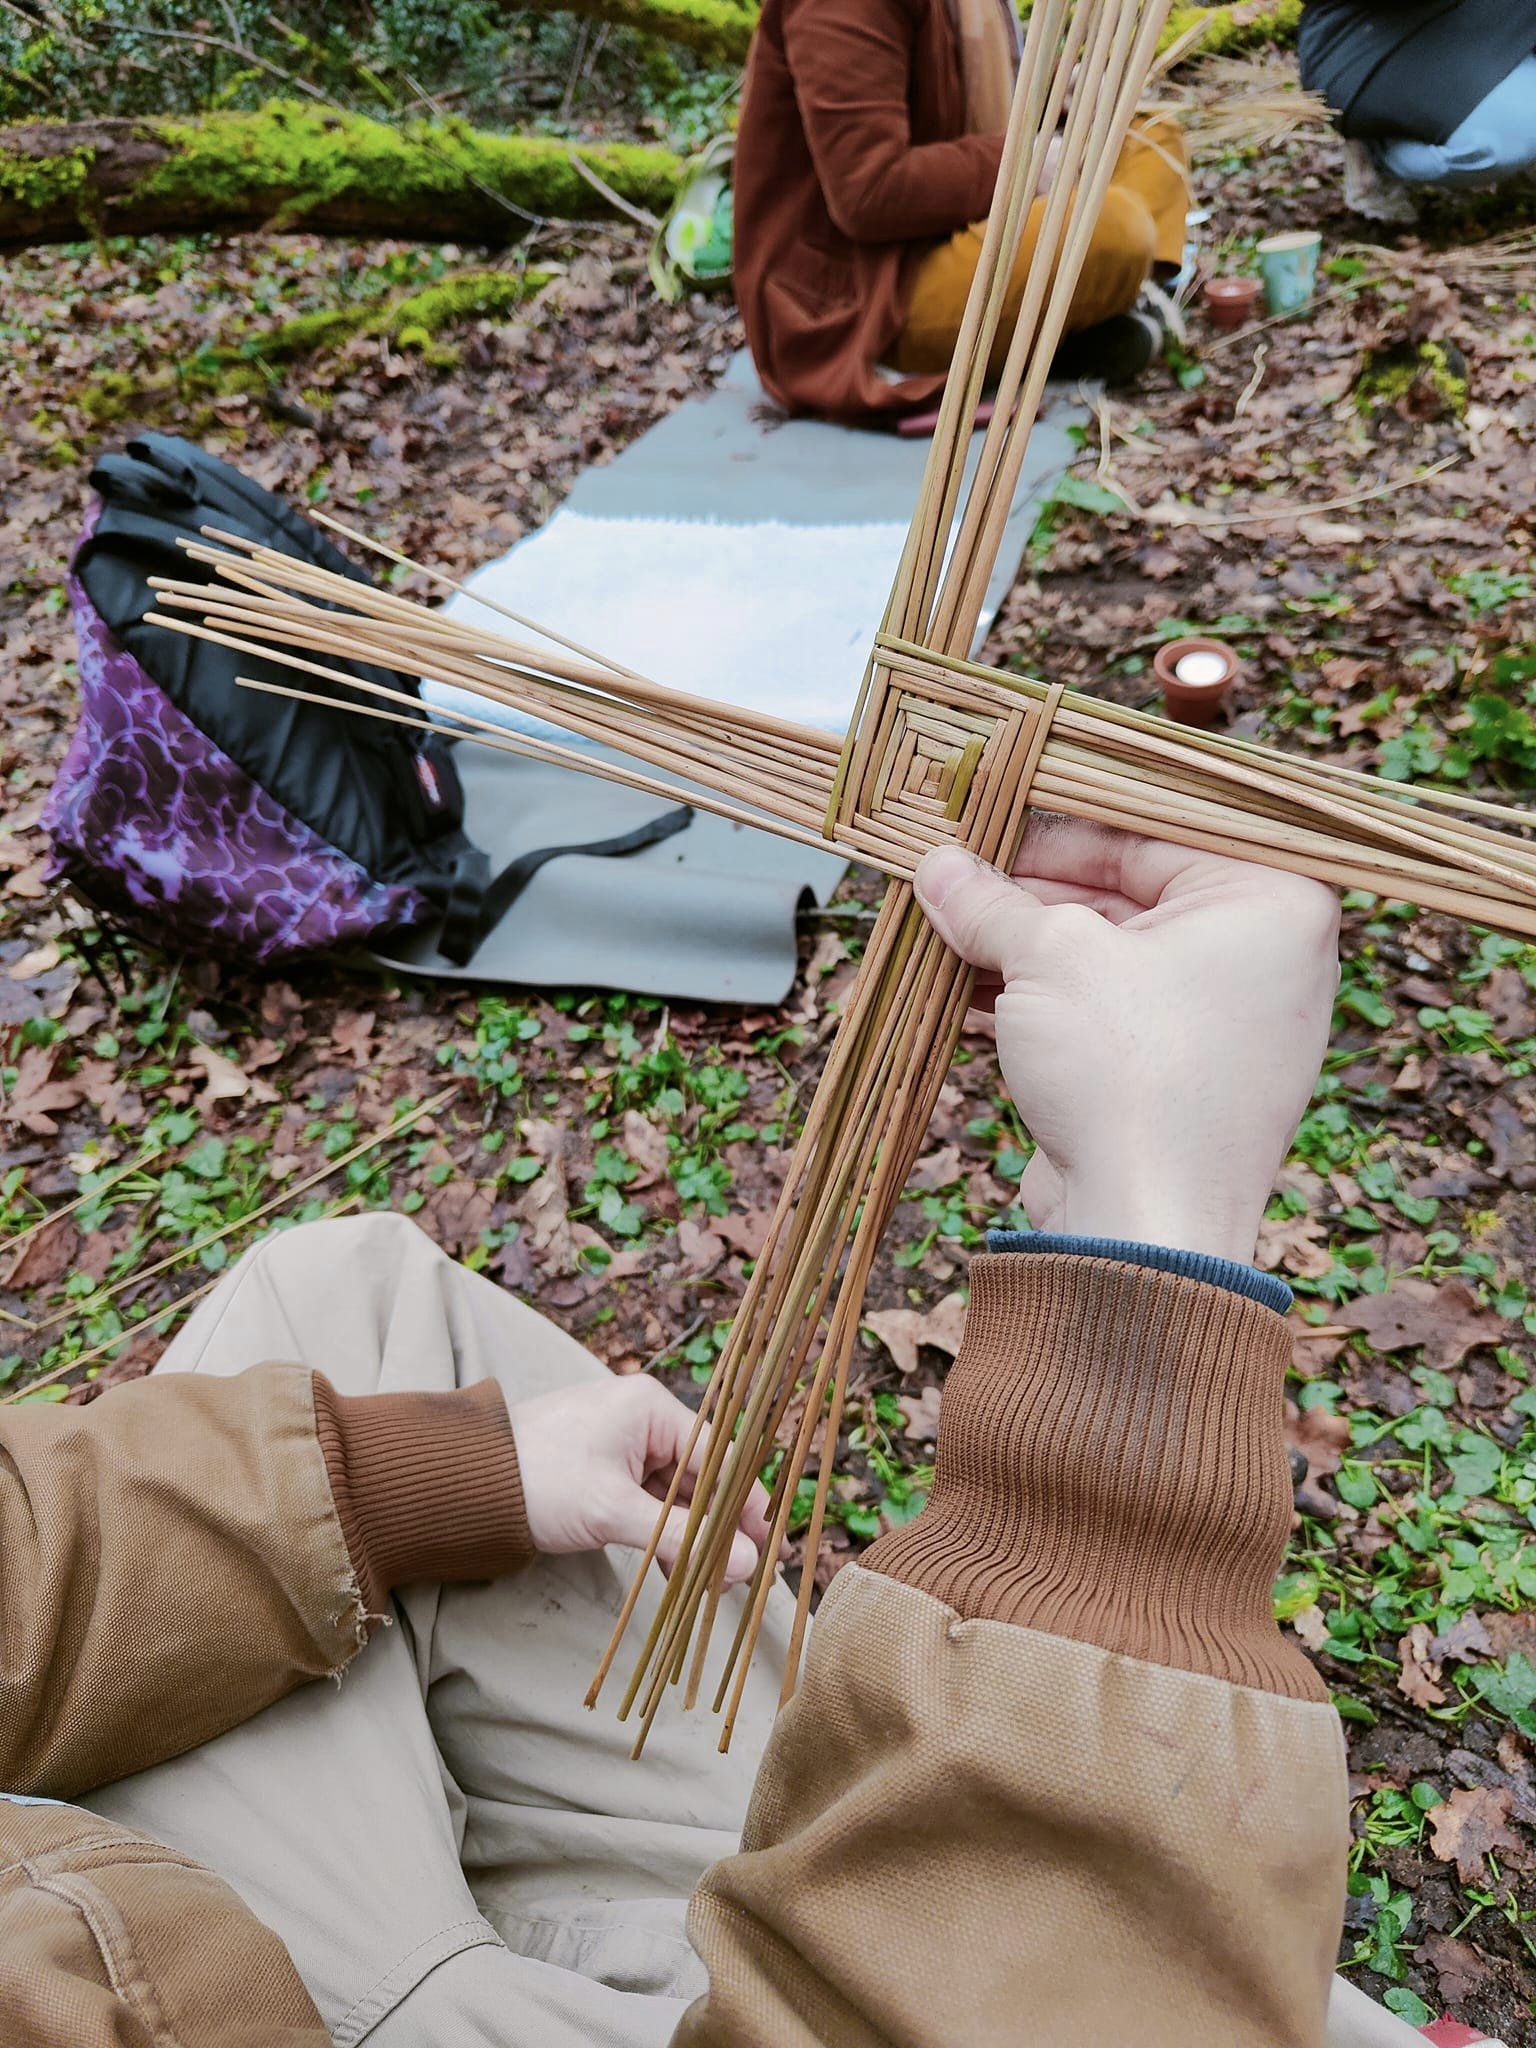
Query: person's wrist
x=1219, y=1223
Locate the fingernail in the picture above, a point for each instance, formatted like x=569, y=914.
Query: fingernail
x=940, y=873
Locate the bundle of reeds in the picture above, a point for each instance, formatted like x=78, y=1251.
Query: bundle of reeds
x=940, y=749
x=1248, y=102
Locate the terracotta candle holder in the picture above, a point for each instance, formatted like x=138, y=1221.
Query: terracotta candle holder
x=1231, y=301
x=1197, y=677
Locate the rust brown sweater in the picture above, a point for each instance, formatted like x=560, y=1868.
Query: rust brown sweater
x=1051, y=1767
x=852, y=158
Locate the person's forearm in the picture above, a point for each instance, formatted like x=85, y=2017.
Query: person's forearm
x=1052, y=1763
x=186, y=1550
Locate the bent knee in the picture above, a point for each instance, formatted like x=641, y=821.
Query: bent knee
x=380, y=1240
x=1119, y=259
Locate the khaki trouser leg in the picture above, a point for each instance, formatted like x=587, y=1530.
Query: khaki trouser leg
x=452, y=1849
x=1140, y=224
x=1357, y=2021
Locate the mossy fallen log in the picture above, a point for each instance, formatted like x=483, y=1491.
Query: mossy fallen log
x=1241, y=27
x=716, y=30
x=295, y=164
x=292, y=165
x=411, y=319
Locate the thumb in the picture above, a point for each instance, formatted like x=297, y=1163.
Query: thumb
x=988, y=919
x=633, y=1518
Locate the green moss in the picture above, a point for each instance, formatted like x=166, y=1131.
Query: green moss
x=716, y=30
x=46, y=184
x=1438, y=372
x=287, y=161
x=108, y=397
x=413, y=320
x=1228, y=28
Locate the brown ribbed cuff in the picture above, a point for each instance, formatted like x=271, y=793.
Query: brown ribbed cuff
x=1111, y=1467
x=426, y=1486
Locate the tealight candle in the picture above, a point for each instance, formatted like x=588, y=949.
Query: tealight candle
x=1197, y=677
x=1200, y=665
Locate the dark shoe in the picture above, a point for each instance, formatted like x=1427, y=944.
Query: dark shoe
x=1116, y=351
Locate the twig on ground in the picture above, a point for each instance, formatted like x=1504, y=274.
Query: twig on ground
x=127, y=1334
x=278, y=1201
x=121, y=1173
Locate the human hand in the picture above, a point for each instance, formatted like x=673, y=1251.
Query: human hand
x=596, y=1461
x=1161, y=1018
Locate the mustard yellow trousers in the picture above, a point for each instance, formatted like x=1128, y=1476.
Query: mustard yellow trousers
x=1140, y=225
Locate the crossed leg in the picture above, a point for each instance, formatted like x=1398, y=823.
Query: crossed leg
x=449, y=1846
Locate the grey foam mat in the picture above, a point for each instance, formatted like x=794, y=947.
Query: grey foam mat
x=746, y=558
x=707, y=916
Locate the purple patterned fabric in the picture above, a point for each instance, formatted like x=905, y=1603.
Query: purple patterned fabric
x=159, y=826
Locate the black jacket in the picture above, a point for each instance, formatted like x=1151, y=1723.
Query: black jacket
x=1413, y=68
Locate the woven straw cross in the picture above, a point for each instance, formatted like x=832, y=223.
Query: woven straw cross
x=939, y=749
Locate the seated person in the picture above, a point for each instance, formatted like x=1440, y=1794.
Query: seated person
x=1053, y=1774
x=1432, y=92
x=870, y=137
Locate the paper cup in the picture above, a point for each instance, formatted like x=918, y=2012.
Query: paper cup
x=1288, y=266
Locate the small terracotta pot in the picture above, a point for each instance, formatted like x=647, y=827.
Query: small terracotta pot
x=1231, y=301
x=1198, y=698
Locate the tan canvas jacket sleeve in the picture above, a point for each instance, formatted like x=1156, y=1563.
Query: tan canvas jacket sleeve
x=184, y=1551
x=1052, y=1775
x=175, y=1557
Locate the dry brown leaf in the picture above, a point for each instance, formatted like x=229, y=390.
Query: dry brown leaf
x=224, y=1080
x=922, y=1413
x=646, y=1145
x=352, y=1037
x=1507, y=998
x=41, y=960
x=1445, y=1320
x=1313, y=1350
x=1464, y=1641
x=702, y=1250
x=828, y=954
x=1465, y=1828
x=1418, y=1674
x=1459, y=1969
x=281, y=1006
x=97, y=1253
x=544, y=1208
x=936, y=1169
x=1321, y=1438
x=455, y=1214
x=1508, y=1633
x=1295, y=1244
x=1511, y=1141
x=35, y=1096
x=903, y=1331
x=46, y=1257
x=746, y=1232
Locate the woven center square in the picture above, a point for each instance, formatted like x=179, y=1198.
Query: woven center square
x=938, y=755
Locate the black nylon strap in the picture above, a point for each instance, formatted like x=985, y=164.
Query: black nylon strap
x=476, y=906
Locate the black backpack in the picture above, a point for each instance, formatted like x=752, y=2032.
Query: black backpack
x=223, y=819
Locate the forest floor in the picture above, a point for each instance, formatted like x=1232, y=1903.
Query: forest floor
x=615, y=1158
